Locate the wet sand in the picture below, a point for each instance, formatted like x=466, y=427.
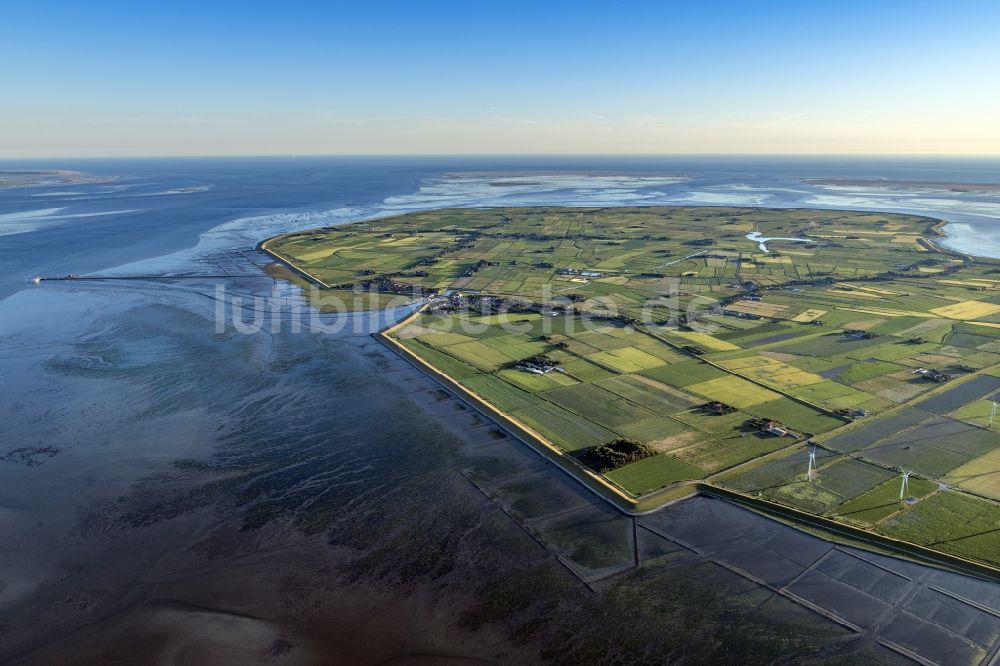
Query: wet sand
x=947, y=186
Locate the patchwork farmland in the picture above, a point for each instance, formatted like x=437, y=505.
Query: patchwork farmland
x=668, y=347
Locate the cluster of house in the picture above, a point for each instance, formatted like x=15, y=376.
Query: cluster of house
x=741, y=315
x=770, y=427
x=776, y=429
x=753, y=296
x=573, y=271
x=763, y=425
x=470, y=301
x=537, y=365
x=857, y=334
x=933, y=375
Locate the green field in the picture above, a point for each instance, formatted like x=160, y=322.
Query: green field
x=652, y=473
x=647, y=316
x=952, y=522
x=882, y=502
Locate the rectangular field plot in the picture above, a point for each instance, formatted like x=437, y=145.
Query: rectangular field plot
x=583, y=370
x=802, y=494
x=952, y=522
x=593, y=402
x=438, y=339
x=685, y=373
x=850, y=478
x=652, y=430
x=503, y=394
x=516, y=346
x=717, y=424
x=802, y=418
x=506, y=318
x=648, y=393
x=564, y=429
x=952, y=399
x=967, y=310
x=703, y=340
x=834, y=395
x=808, y=315
x=869, y=432
x=626, y=359
x=727, y=450
x=832, y=485
x=860, y=371
x=780, y=472
x=771, y=372
x=535, y=383
x=447, y=364
x=880, y=503
x=934, y=447
x=980, y=475
x=661, y=351
x=651, y=473
x=600, y=341
x=478, y=354
x=733, y=391
x=828, y=345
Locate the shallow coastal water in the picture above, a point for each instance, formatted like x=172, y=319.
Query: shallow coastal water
x=191, y=496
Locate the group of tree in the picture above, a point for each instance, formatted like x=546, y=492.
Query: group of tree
x=614, y=454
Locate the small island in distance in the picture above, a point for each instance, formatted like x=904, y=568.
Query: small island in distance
x=49, y=177
x=657, y=352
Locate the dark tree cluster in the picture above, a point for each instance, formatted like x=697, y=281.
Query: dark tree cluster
x=614, y=454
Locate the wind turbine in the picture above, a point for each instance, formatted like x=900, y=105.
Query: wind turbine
x=905, y=486
x=812, y=464
x=993, y=412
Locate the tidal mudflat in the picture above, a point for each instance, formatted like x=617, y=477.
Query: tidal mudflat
x=175, y=493
x=300, y=498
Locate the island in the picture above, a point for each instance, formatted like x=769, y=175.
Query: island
x=49, y=177
x=836, y=369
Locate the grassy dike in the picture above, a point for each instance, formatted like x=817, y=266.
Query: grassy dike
x=263, y=246
x=538, y=443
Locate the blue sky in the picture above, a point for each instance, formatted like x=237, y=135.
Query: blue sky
x=447, y=77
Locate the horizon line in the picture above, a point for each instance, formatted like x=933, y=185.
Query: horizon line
x=503, y=155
